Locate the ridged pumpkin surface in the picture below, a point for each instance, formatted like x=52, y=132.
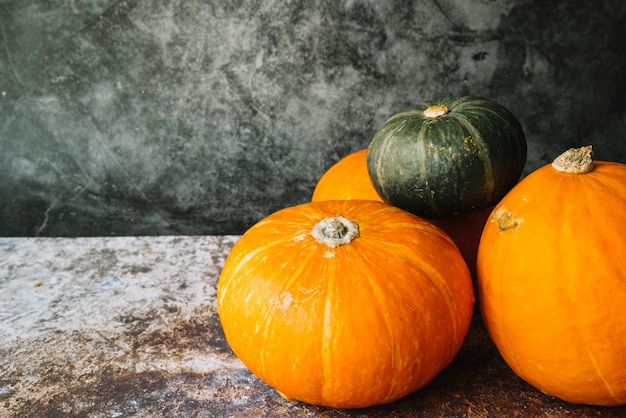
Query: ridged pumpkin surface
x=347, y=179
x=446, y=157
x=552, y=282
x=359, y=324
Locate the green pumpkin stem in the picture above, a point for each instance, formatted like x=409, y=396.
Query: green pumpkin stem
x=336, y=231
x=435, y=111
x=574, y=161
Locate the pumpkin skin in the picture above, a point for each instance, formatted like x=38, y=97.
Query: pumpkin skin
x=347, y=179
x=552, y=281
x=446, y=157
x=465, y=230
x=355, y=325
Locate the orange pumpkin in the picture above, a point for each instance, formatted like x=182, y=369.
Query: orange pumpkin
x=552, y=280
x=465, y=230
x=345, y=303
x=346, y=179
x=349, y=179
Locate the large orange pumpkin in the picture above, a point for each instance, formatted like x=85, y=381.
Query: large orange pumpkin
x=345, y=303
x=552, y=279
x=346, y=179
x=349, y=179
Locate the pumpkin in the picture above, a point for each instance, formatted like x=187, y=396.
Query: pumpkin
x=349, y=179
x=345, y=303
x=552, y=280
x=465, y=230
x=449, y=156
x=345, y=180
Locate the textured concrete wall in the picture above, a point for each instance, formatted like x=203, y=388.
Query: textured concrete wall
x=204, y=116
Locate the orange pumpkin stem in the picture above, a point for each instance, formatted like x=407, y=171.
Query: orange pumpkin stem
x=575, y=161
x=435, y=111
x=335, y=231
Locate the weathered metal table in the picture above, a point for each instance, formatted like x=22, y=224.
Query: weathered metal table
x=127, y=327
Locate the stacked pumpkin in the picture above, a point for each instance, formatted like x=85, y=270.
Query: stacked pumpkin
x=355, y=299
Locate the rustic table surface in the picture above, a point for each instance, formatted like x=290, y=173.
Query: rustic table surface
x=127, y=327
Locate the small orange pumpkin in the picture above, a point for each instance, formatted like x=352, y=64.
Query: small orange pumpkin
x=346, y=303
x=347, y=179
x=552, y=280
x=465, y=230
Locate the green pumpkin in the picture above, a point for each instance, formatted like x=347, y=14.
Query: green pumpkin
x=446, y=157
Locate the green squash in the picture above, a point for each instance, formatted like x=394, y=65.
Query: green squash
x=446, y=157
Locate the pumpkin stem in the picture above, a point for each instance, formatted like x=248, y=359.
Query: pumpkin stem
x=335, y=231
x=435, y=111
x=574, y=161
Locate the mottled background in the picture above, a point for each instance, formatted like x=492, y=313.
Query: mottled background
x=204, y=116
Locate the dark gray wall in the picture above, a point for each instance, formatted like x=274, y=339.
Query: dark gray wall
x=204, y=116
